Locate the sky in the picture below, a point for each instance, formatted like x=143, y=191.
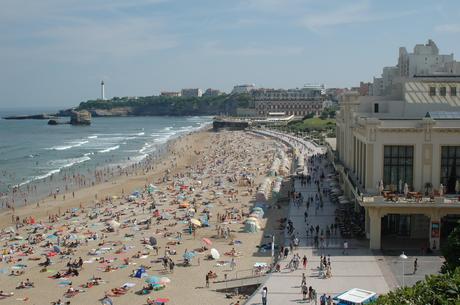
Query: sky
x=55, y=53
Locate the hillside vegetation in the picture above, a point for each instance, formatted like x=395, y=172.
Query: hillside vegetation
x=163, y=105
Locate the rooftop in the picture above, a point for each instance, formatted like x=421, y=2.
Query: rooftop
x=356, y=295
x=443, y=115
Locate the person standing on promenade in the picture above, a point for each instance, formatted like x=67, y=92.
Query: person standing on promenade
x=415, y=265
x=314, y=297
x=322, y=299
x=304, y=262
x=304, y=289
x=345, y=247
x=264, y=296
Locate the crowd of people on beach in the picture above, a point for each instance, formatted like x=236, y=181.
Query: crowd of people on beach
x=94, y=247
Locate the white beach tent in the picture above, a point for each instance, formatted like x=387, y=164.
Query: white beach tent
x=355, y=296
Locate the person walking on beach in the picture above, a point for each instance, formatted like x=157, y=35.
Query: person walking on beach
x=415, y=265
x=304, y=262
x=207, y=280
x=264, y=296
x=304, y=280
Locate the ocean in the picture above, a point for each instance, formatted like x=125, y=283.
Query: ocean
x=32, y=150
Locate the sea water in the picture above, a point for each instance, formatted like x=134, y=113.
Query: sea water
x=32, y=150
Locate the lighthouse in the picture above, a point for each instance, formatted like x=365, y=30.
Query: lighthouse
x=102, y=91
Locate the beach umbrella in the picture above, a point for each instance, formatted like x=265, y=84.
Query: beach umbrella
x=10, y=230
x=195, y=222
x=215, y=254
x=258, y=209
x=152, y=279
x=189, y=255
x=165, y=280
x=207, y=241
x=113, y=224
x=153, y=241
x=57, y=249
x=165, y=215
x=161, y=300
x=107, y=301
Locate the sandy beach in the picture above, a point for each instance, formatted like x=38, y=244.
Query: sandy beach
x=195, y=200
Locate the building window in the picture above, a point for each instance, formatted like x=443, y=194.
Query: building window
x=376, y=108
x=398, y=163
x=450, y=167
x=453, y=91
x=432, y=91
x=442, y=91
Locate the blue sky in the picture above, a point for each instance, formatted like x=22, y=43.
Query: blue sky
x=55, y=52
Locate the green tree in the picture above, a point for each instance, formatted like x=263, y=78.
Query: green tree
x=451, y=251
x=441, y=289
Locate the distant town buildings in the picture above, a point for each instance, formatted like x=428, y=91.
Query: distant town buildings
x=246, y=88
x=297, y=102
x=192, y=92
x=365, y=88
x=170, y=93
x=398, y=151
x=212, y=92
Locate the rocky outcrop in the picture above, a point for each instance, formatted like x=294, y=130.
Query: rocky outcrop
x=82, y=117
x=116, y=111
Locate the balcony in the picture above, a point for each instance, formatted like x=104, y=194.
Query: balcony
x=399, y=200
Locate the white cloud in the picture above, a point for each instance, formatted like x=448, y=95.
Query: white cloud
x=82, y=30
x=358, y=12
x=215, y=48
x=448, y=28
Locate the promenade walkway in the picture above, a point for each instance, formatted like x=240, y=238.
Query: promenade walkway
x=358, y=268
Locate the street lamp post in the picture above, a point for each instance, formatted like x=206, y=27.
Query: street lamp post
x=404, y=258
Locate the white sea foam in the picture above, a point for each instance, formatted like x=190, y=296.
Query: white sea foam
x=109, y=149
x=61, y=165
x=69, y=146
x=92, y=137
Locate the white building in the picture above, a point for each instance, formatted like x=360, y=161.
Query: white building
x=245, y=88
x=170, y=93
x=411, y=137
x=192, y=92
x=425, y=60
x=297, y=102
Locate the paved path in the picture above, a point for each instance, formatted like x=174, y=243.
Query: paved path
x=358, y=269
